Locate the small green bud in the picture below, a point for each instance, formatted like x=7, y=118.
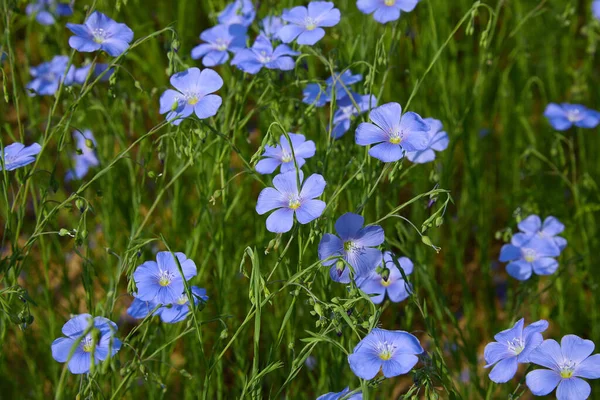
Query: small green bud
x=63, y=232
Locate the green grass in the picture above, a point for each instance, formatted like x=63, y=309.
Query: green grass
x=492, y=65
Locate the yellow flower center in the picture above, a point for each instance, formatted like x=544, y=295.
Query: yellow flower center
x=386, y=283
x=395, y=140
x=310, y=24
x=193, y=100
x=294, y=204
x=389, y=2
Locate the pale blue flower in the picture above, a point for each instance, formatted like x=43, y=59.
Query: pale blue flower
x=305, y=22
x=261, y=54
x=220, y=40
x=16, y=155
x=99, y=32
x=385, y=11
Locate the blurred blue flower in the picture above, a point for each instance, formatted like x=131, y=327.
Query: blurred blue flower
x=339, y=395
x=305, y=22
x=86, y=155
x=193, y=95
x=438, y=141
x=81, y=360
x=338, y=82
x=169, y=314
x=513, y=346
x=261, y=55
x=161, y=282
x=394, y=352
x=81, y=74
x=355, y=244
x=387, y=280
x=287, y=199
x=239, y=12
x=393, y=133
x=533, y=229
x=347, y=110
x=48, y=76
x=529, y=255
x=568, y=363
x=99, y=32
x=596, y=9
x=564, y=116
x=282, y=154
x=16, y=155
x=271, y=26
x=385, y=11
x=46, y=11
x=219, y=40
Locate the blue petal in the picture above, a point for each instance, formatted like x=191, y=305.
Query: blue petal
x=505, y=370
x=542, y=381
x=386, y=152
x=281, y=221
x=575, y=348
x=330, y=245
x=573, y=389
x=589, y=368
x=531, y=224
x=61, y=348
x=399, y=364
x=309, y=211
x=310, y=37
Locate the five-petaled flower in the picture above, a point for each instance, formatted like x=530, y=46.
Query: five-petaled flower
x=355, y=244
x=78, y=347
x=241, y=12
x=527, y=255
x=282, y=154
x=45, y=11
x=438, y=141
x=393, y=133
x=161, y=282
x=99, y=32
x=513, y=346
x=385, y=11
x=305, y=22
x=339, y=395
x=342, y=118
x=340, y=83
x=568, y=363
x=533, y=229
x=193, y=95
x=289, y=197
x=220, y=40
x=48, y=76
x=17, y=155
x=85, y=157
x=393, y=352
x=261, y=54
x=387, y=279
x=171, y=313
x=564, y=116
x=271, y=26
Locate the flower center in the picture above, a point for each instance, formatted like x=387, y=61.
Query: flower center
x=529, y=255
x=385, y=350
x=192, y=98
x=516, y=345
x=221, y=44
x=99, y=35
x=286, y=156
x=396, y=136
x=294, y=202
x=310, y=24
x=350, y=246
x=340, y=267
x=386, y=282
x=389, y=2
x=264, y=57
x=165, y=278
x=182, y=300
x=88, y=344
x=574, y=115
x=567, y=369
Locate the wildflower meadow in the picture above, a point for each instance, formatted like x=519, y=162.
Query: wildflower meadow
x=259, y=199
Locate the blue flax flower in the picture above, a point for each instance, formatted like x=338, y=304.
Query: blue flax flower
x=568, y=363
x=394, y=352
x=169, y=314
x=339, y=395
x=355, y=244
x=46, y=11
x=193, y=95
x=85, y=157
x=287, y=199
x=161, y=282
x=48, y=76
x=385, y=11
x=533, y=229
x=438, y=141
x=393, y=133
x=529, y=255
x=564, y=116
x=261, y=54
x=271, y=26
x=512, y=347
x=282, y=154
x=305, y=22
x=99, y=32
x=388, y=280
x=240, y=12
x=16, y=155
x=80, y=75
x=596, y=9
x=85, y=348
x=340, y=83
x=347, y=110
x=219, y=40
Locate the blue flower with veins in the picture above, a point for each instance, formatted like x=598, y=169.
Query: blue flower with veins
x=281, y=155
x=513, y=346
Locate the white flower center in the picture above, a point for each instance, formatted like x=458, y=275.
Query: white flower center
x=264, y=57
x=192, y=98
x=396, y=136
x=286, y=156
x=87, y=343
x=165, y=278
x=574, y=115
x=567, y=369
x=529, y=255
x=221, y=44
x=100, y=35
x=182, y=299
x=310, y=24
x=294, y=202
x=516, y=345
x=385, y=350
